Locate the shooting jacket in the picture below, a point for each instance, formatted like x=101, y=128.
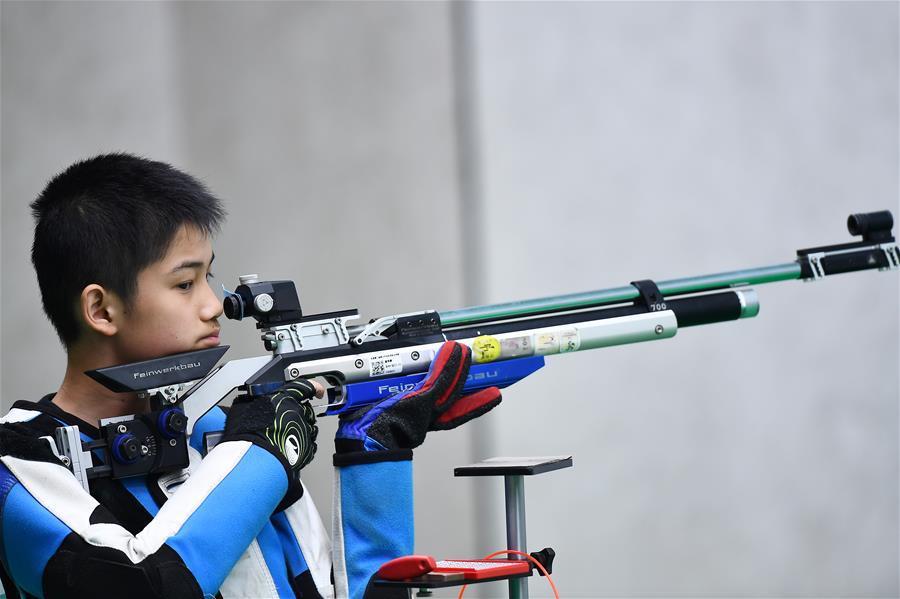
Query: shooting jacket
x=206, y=531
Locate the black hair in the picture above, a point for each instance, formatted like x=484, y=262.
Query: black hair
x=103, y=220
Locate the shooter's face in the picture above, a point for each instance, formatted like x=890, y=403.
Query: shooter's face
x=174, y=309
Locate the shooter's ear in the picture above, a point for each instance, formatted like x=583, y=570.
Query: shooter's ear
x=101, y=309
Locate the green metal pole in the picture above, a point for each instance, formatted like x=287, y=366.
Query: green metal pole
x=587, y=299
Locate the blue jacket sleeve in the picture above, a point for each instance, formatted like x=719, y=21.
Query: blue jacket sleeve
x=58, y=541
x=373, y=516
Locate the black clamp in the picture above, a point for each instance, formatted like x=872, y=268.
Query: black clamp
x=413, y=326
x=650, y=296
x=545, y=558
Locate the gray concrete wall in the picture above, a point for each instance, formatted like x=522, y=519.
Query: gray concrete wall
x=624, y=141
x=77, y=79
x=337, y=167
x=598, y=144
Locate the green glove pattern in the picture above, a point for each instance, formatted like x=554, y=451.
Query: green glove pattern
x=294, y=429
x=284, y=424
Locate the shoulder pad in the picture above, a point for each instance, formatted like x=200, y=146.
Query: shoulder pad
x=19, y=415
x=18, y=441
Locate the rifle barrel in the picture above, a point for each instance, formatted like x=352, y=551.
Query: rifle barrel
x=615, y=295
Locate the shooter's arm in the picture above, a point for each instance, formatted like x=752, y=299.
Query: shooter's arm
x=59, y=542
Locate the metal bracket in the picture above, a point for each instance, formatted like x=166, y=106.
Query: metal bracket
x=815, y=265
x=66, y=444
x=377, y=327
x=892, y=253
x=169, y=394
x=298, y=336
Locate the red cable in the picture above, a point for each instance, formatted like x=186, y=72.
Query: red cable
x=514, y=552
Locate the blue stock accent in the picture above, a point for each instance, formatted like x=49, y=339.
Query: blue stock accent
x=38, y=534
x=212, y=421
x=258, y=478
x=481, y=376
x=273, y=554
x=257, y=389
x=375, y=529
x=295, y=560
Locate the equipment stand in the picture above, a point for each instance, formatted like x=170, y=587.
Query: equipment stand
x=513, y=471
x=515, y=528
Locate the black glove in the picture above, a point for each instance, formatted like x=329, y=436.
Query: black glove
x=435, y=403
x=283, y=424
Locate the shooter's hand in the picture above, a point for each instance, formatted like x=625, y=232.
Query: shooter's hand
x=283, y=424
x=435, y=403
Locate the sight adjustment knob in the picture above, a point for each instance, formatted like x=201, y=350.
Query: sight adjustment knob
x=172, y=422
x=264, y=302
x=126, y=449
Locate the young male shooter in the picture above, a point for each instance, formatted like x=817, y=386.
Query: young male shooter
x=122, y=252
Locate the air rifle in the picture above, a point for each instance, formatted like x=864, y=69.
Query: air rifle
x=360, y=364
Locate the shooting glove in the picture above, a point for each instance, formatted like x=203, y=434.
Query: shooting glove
x=435, y=403
x=283, y=424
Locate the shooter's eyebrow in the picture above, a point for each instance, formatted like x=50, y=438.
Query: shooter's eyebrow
x=192, y=264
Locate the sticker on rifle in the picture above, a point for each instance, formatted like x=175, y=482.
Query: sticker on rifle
x=385, y=364
x=485, y=349
x=569, y=341
x=546, y=344
x=516, y=346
